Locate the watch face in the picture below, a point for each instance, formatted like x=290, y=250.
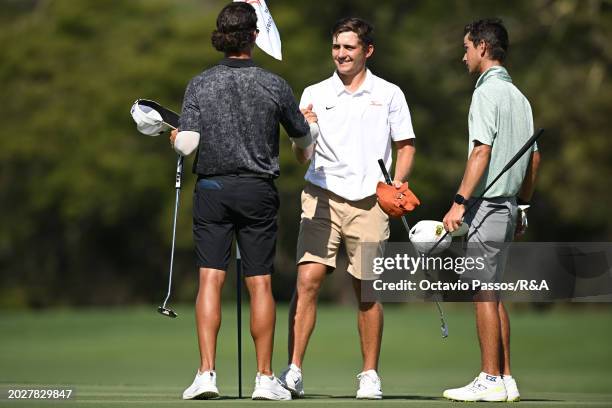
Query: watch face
x=459, y=199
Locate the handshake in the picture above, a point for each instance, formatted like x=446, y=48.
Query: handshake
x=303, y=147
x=309, y=115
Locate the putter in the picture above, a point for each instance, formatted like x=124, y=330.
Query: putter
x=444, y=326
x=169, y=121
x=163, y=309
x=239, y=315
x=511, y=163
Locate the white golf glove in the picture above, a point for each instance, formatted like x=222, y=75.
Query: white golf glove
x=523, y=223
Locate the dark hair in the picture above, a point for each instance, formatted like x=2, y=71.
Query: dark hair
x=235, y=26
x=494, y=35
x=362, y=28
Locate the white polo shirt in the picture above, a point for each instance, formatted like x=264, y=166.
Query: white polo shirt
x=356, y=129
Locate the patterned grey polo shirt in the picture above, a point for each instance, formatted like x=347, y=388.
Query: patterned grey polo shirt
x=237, y=107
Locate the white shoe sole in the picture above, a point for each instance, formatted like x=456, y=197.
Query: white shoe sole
x=369, y=396
x=294, y=392
x=515, y=399
x=500, y=398
x=269, y=396
x=203, y=395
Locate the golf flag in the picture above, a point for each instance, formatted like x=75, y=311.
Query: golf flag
x=268, y=39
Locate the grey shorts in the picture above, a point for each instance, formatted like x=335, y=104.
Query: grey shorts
x=492, y=223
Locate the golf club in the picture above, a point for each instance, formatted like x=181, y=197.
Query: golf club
x=444, y=326
x=163, y=309
x=239, y=315
x=511, y=163
x=153, y=119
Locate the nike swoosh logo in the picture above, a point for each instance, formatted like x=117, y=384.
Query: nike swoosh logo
x=330, y=107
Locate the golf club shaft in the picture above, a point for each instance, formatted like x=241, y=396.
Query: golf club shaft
x=177, y=185
x=239, y=315
x=385, y=173
x=510, y=163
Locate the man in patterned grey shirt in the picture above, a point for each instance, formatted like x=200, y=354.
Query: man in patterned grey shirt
x=231, y=114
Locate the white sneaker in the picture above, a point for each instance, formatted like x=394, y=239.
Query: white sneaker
x=291, y=379
x=484, y=388
x=369, y=385
x=269, y=388
x=511, y=389
x=204, y=386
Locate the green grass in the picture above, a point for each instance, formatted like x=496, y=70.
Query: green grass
x=135, y=357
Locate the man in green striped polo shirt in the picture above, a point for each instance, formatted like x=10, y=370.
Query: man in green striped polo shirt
x=500, y=122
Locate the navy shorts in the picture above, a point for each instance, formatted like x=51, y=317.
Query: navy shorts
x=247, y=206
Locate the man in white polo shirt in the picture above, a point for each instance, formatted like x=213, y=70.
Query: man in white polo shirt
x=360, y=116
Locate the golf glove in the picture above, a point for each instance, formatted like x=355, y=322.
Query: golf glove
x=396, y=202
x=523, y=223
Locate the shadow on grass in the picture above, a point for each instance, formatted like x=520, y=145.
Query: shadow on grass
x=417, y=398
x=540, y=400
x=223, y=398
x=395, y=397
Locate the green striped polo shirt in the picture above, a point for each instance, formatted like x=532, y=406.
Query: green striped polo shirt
x=500, y=116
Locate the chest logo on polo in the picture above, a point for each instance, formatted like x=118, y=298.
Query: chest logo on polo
x=375, y=103
x=330, y=107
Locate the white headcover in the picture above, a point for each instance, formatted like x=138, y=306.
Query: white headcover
x=148, y=121
x=268, y=39
x=461, y=231
x=425, y=234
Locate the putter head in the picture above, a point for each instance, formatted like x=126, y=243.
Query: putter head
x=444, y=329
x=166, y=312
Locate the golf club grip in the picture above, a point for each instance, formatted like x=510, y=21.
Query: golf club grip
x=389, y=182
x=179, y=172
x=516, y=157
x=385, y=173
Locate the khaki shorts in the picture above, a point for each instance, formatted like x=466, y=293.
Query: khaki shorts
x=328, y=219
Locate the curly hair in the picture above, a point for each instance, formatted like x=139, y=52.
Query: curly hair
x=362, y=28
x=236, y=25
x=494, y=35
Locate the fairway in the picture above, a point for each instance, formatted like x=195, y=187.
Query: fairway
x=135, y=357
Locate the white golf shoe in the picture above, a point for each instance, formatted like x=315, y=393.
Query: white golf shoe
x=204, y=386
x=484, y=388
x=369, y=385
x=291, y=379
x=269, y=388
x=511, y=389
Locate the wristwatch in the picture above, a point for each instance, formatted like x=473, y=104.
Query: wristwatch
x=459, y=199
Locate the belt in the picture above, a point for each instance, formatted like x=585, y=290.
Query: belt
x=241, y=175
